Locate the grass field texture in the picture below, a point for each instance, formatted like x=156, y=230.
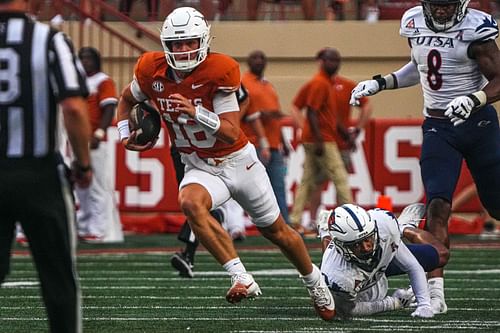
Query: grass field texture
x=131, y=288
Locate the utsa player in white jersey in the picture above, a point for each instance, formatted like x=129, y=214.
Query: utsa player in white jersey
x=457, y=62
x=363, y=246
x=194, y=90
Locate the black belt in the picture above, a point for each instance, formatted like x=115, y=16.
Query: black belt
x=436, y=113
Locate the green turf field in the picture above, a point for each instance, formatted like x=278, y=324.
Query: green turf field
x=135, y=290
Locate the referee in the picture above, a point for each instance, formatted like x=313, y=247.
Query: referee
x=37, y=71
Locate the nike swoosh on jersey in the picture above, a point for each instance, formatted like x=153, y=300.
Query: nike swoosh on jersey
x=196, y=86
x=250, y=166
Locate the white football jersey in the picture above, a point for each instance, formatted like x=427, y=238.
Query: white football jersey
x=445, y=69
x=346, y=277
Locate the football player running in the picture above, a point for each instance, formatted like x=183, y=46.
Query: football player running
x=194, y=90
x=457, y=62
x=362, y=249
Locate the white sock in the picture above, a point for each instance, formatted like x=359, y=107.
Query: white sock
x=234, y=266
x=367, y=308
x=437, y=284
x=312, y=278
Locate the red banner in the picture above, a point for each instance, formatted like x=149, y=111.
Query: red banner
x=387, y=163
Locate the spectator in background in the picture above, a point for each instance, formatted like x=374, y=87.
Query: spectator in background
x=42, y=79
x=206, y=7
x=372, y=12
x=55, y=11
x=262, y=125
x=98, y=217
x=125, y=6
x=348, y=129
x=336, y=10
x=319, y=136
x=308, y=9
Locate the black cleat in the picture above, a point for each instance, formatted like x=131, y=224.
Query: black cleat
x=182, y=264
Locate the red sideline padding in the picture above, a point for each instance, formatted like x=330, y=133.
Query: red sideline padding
x=172, y=223
x=152, y=223
x=161, y=223
x=460, y=226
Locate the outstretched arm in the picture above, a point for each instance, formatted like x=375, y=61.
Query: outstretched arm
x=406, y=76
x=408, y=263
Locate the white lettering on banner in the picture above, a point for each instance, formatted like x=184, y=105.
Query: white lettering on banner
x=154, y=168
x=393, y=136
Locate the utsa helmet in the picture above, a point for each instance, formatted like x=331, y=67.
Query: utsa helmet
x=349, y=225
x=443, y=23
x=182, y=24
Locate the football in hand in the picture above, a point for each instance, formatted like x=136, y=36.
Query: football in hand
x=146, y=121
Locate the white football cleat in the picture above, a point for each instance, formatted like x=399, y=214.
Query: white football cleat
x=404, y=296
x=423, y=312
x=242, y=286
x=411, y=216
x=323, y=301
x=438, y=303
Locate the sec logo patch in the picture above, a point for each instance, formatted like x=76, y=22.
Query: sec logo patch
x=158, y=86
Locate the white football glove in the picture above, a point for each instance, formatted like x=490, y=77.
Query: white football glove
x=424, y=311
x=322, y=222
x=459, y=109
x=405, y=296
x=364, y=88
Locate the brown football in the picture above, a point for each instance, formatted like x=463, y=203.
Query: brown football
x=146, y=120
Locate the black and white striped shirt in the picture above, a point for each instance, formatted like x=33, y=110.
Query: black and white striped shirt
x=38, y=68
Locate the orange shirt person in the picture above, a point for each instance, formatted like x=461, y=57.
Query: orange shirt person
x=98, y=217
x=319, y=136
x=262, y=125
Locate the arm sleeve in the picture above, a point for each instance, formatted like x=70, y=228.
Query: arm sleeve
x=406, y=76
x=139, y=78
x=408, y=263
x=107, y=93
x=225, y=102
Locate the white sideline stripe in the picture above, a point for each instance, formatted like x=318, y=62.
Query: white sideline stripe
x=149, y=287
x=14, y=284
x=216, y=297
x=440, y=323
x=229, y=307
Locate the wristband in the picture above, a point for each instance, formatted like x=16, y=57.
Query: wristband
x=99, y=134
x=381, y=81
x=123, y=129
x=263, y=143
x=479, y=98
x=207, y=119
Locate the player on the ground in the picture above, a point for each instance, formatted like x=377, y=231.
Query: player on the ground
x=363, y=248
x=457, y=62
x=194, y=90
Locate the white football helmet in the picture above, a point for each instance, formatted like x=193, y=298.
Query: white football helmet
x=349, y=225
x=439, y=25
x=182, y=24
